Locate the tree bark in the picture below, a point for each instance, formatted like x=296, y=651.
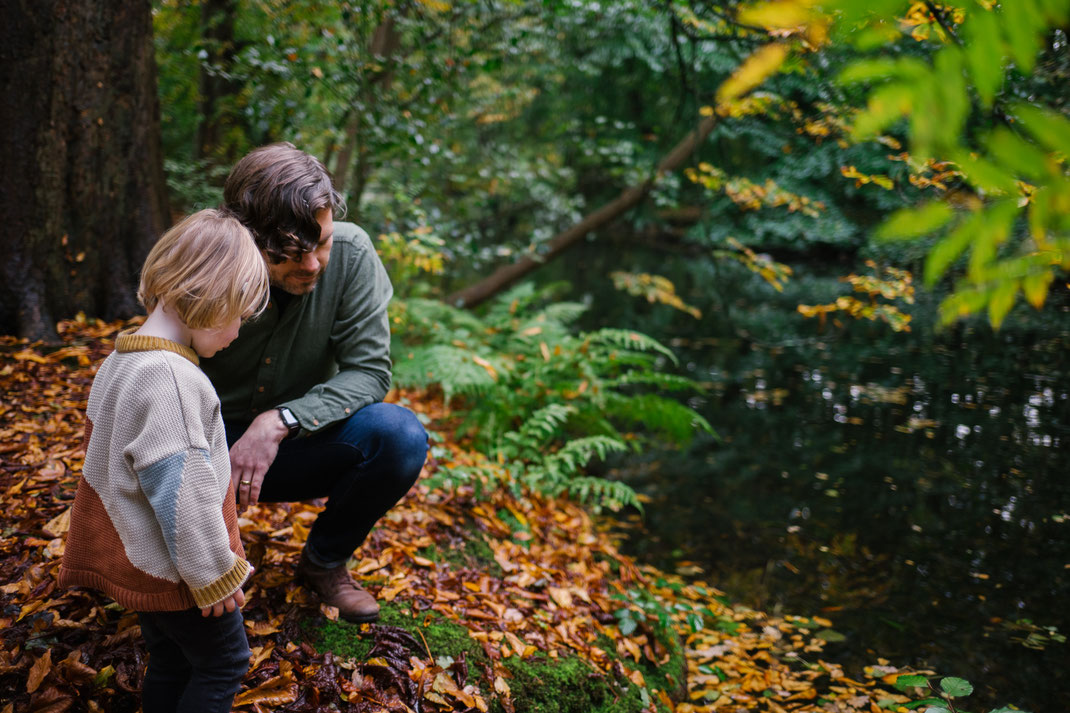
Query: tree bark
x=214, y=84
x=506, y=275
x=83, y=193
x=385, y=41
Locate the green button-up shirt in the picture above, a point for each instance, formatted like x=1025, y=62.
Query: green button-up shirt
x=325, y=355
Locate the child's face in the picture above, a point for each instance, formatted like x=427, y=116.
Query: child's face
x=206, y=342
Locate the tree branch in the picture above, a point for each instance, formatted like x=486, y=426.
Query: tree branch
x=629, y=198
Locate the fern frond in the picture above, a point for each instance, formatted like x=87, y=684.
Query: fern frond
x=543, y=425
x=666, y=382
x=559, y=472
x=631, y=340
x=564, y=313
x=433, y=315
x=575, y=454
x=517, y=302
x=601, y=493
x=454, y=368
x=668, y=418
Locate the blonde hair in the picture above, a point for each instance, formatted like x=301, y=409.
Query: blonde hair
x=207, y=270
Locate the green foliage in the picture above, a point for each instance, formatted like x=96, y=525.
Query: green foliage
x=958, y=104
x=194, y=184
x=539, y=397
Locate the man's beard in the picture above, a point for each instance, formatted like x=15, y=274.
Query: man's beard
x=295, y=286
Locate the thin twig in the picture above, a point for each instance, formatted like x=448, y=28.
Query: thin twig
x=936, y=13
x=426, y=647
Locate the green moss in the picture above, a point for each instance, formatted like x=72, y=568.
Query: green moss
x=474, y=553
x=481, y=554
x=670, y=676
x=566, y=685
x=516, y=526
x=339, y=637
x=443, y=637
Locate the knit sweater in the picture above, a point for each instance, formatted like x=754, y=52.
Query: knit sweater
x=154, y=524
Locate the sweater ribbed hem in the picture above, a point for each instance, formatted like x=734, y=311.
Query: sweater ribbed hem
x=129, y=342
x=223, y=587
x=177, y=599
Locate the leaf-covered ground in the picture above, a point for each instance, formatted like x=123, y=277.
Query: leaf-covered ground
x=491, y=603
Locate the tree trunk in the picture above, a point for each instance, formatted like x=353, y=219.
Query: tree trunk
x=506, y=275
x=217, y=30
x=83, y=193
x=385, y=41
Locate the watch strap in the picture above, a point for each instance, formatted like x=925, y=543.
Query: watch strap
x=293, y=426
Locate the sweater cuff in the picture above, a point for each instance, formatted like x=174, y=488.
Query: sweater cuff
x=223, y=587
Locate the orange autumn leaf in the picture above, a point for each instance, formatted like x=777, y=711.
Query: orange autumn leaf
x=41, y=668
x=275, y=691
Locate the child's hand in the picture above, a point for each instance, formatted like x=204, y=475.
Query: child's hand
x=234, y=601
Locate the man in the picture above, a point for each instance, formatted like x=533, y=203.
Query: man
x=301, y=387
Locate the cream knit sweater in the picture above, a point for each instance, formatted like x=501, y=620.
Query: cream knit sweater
x=154, y=523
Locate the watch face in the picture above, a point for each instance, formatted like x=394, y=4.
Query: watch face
x=288, y=419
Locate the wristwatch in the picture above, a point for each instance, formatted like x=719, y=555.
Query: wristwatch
x=289, y=420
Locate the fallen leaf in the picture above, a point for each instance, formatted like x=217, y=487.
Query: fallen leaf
x=41, y=668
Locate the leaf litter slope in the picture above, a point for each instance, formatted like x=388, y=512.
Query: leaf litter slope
x=530, y=579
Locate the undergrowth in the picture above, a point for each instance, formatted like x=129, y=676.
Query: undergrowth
x=540, y=398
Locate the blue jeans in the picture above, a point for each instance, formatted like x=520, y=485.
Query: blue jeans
x=196, y=663
x=363, y=465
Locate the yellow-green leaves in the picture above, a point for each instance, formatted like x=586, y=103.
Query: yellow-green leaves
x=654, y=288
x=754, y=70
x=781, y=14
x=982, y=37
x=1016, y=155
x=915, y=222
x=945, y=252
x=1013, y=174
x=1016, y=170
x=1050, y=129
x=1024, y=25
x=1035, y=287
x=885, y=105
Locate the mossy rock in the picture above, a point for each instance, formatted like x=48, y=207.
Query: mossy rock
x=538, y=684
x=541, y=684
x=442, y=636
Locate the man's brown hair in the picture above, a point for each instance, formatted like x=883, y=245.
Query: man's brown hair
x=276, y=191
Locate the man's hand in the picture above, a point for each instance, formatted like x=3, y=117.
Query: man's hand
x=234, y=601
x=253, y=453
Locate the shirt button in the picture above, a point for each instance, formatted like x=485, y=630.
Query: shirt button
x=315, y=422
x=260, y=389
x=347, y=410
x=268, y=360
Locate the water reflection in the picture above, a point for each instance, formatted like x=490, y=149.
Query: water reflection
x=910, y=488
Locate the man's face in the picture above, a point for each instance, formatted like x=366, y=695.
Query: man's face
x=300, y=276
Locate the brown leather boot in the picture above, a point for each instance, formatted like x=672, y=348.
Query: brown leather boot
x=336, y=588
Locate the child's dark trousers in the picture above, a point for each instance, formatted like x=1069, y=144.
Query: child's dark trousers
x=196, y=663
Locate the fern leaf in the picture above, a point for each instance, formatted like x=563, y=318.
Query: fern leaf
x=667, y=382
x=454, y=368
x=668, y=418
x=631, y=340
x=601, y=493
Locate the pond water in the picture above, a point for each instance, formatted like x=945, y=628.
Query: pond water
x=910, y=487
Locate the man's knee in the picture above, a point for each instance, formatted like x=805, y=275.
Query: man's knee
x=399, y=438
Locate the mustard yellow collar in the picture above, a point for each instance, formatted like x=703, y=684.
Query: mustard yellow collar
x=129, y=342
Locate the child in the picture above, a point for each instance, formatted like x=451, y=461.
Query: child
x=154, y=523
